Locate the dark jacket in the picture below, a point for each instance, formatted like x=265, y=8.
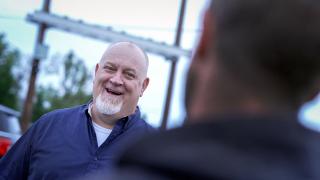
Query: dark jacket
x=62, y=144
x=244, y=148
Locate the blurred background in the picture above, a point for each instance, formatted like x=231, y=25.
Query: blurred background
x=64, y=76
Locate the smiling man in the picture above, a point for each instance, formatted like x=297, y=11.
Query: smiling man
x=120, y=79
x=78, y=141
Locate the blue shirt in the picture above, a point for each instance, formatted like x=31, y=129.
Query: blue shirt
x=62, y=144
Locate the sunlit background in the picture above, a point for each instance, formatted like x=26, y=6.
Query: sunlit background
x=145, y=18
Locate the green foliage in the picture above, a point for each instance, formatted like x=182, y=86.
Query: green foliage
x=10, y=81
x=71, y=89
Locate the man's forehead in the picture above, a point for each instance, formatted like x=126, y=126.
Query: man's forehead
x=124, y=58
x=126, y=63
x=127, y=49
x=121, y=65
x=126, y=55
x=124, y=51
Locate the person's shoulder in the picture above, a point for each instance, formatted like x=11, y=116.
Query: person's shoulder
x=57, y=119
x=135, y=121
x=63, y=113
x=166, y=149
x=155, y=143
x=142, y=124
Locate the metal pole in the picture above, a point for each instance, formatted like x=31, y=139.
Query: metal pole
x=174, y=61
x=28, y=103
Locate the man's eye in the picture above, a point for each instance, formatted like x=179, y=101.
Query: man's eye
x=109, y=68
x=130, y=75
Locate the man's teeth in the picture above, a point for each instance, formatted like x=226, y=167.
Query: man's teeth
x=113, y=92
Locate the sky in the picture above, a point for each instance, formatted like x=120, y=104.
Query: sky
x=145, y=18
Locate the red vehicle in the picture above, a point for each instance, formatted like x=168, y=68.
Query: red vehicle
x=10, y=130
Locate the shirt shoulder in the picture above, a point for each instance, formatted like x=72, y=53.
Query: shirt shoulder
x=60, y=120
x=135, y=121
x=63, y=114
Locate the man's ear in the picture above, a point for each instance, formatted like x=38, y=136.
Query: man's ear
x=144, y=86
x=97, y=67
x=207, y=36
x=95, y=72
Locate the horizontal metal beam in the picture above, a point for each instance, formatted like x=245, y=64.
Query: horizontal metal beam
x=9, y=111
x=105, y=34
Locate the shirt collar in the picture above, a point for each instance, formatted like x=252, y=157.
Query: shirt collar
x=90, y=109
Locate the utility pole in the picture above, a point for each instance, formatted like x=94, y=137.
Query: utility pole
x=39, y=48
x=174, y=61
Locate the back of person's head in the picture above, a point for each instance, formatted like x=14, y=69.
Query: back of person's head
x=277, y=39
x=264, y=45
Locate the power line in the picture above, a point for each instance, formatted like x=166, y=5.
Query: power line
x=128, y=27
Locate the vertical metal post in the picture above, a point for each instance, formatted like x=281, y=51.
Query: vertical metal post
x=174, y=61
x=28, y=103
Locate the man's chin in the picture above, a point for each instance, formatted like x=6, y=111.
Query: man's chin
x=107, y=107
x=111, y=99
x=108, y=110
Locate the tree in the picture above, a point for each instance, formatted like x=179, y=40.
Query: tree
x=71, y=91
x=10, y=83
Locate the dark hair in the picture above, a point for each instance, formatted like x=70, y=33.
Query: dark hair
x=279, y=39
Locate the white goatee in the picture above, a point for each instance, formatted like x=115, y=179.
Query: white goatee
x=108, y=105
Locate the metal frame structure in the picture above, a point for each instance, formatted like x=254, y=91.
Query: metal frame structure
x=104, y=34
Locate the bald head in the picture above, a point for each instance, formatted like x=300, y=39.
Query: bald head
x=126, y=49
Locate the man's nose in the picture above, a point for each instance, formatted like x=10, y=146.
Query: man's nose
x=116, y=79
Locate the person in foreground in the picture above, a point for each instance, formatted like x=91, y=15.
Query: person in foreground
x=256, y=63
x=73, y=142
